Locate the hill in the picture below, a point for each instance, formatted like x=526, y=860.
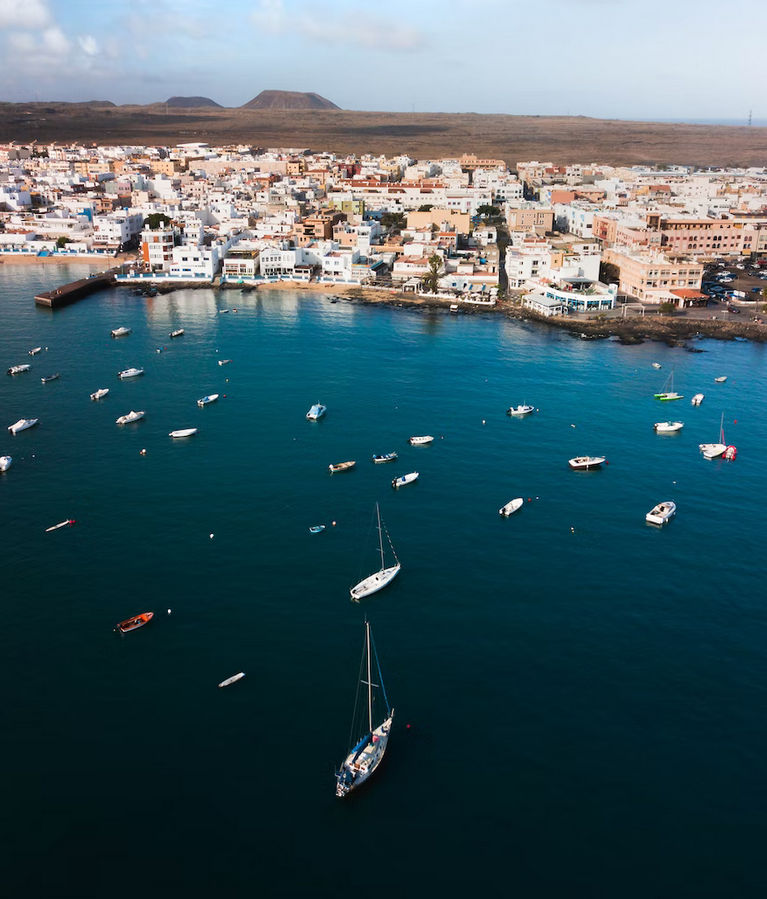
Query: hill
x=288, y=100
x=191, y=102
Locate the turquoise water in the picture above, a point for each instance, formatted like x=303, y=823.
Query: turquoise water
x=585, y=694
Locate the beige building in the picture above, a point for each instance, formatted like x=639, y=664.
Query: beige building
x=457, y=221
x=653, y=278
x=530, y=218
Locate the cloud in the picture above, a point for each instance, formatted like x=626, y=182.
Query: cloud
x=24, y=14
x=88, y=44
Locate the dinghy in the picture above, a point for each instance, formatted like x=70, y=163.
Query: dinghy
x=386, y=457
x=120, y=332
x=100, y=393
x=22, y=424
x=421, y=441
x=207, y=400
x=405, y=479
x=183, y=432
x=179, y=332
x=34, y=351
x=53, y=377
x=668, y=427
x=662, y=513
x=224, y=361
x=131, y=624
x=511, y=507
x=697, y=399
x=341, y=466
x=585, y=463
x=62, y=524
x=316, y=528
x=720, y=380
x=233, y=679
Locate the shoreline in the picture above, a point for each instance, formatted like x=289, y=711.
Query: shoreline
x=103, y=261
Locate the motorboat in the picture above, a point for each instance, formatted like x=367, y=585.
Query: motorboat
x=132, y=624
x=224, y=361
x=121, y=332
x=521, y=409
x=668, y=393
x=386, y=457
x=720, y=380
x=584, y=463
x=316, y=528
x=668, y=427
x=730, y=453
x=697, y=399
x=22, y=424
x=130, y=373
x=183, y=432
x=656, y=365
x=233, y=679
x=100, y=393
x=421, y=441
x=511, y=507
x=34, y=351
x=341, y=466
x=405, y=479
x=715, y=450
x=53, y=377
x=179, y=332
x=5, y=462
x=130, y=418
x=381, y=578
x=207, y=400
x=67, y=523
x=316, y=412
x=662, y=513
x=18, y=369
x=368, y=740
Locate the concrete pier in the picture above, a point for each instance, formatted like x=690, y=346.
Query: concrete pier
x=76, y=290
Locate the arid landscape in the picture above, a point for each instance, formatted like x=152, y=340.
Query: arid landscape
x=512, y=138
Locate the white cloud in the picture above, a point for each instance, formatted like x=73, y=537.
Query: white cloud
x=24, y=14
x=55, y=42
x=88, y=44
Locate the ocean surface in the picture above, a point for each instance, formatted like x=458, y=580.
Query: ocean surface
x=580, y=697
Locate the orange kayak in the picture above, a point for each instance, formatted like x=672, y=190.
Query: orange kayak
x=130, y=624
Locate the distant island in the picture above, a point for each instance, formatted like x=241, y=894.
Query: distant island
x=288, y=100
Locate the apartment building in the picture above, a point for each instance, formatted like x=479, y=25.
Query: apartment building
x=530, y=217
x=653, y=277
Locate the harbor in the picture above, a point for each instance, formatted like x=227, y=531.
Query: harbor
x=75, y=290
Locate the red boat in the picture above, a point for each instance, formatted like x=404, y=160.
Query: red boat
x=130, y=624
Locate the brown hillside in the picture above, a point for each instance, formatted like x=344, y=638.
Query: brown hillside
x=288, y=100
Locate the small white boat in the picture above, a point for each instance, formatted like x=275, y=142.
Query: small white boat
x=224, y=361
x=22, y=424
x=421, y=441
x=656, y=365
x=5, y=462
x=341, y=466
x=521, y=409
x=668, y=427
x=207, y=400
x=316, y=528
x=35, y=350
x=316, y=412
x=179, y=332
x=130, y=373
x=120, y=332
x=697, y=399
x=100, y=393
x=662, y=513
x=721, y=379
x=405, y=479
x=62, y=524
x=233, y=679
x=130, y=418
x=223, y=311
x=381, y=578
x=584, y=463
x=511, y=507
x=53, y=377
x=715, y=450
x=18, y=369
x=183, y=432
x=386, y=457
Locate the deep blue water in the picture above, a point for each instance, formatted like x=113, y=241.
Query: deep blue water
x=585, y=693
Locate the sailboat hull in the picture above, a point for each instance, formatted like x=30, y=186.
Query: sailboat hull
x=375, y=582
x=361, y=763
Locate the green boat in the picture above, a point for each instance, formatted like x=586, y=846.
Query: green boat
x=668, y=392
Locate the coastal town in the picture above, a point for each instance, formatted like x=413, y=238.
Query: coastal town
x=571, y=242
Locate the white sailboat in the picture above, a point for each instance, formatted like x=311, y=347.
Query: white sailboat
x=381, y=578
x=715, y=450
x=367, y=741
x=668, y=392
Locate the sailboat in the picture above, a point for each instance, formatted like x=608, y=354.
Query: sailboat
x=668, y=392
x=367, y=742
x=715, y=450
x=381, y=578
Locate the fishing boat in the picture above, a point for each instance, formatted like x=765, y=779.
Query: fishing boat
x=5, y=462
x=668, y=427
x=179, y=332
x=720, y=380
x=662, y=513
x=316, y=412
x=585, y=463
x=183, y=432
x=100, y=393
x=22, y=424
x=404, y=479
x=668, y=393
x=656, y=365
x=521, y=409
x=62, y=524
x=131, y=624
x=130, y=373
x=224, y=361
x=233, y=679
x=34, y=351
x=511, y=507
x=18, y=369
x=53, y=377
x=384, y=576
x=368, y=740
x=120, y=332
x=715, y=450
x=341, y=466
x=697, y=399
x=316, y=528
x=386, y=457
x=207, y=400
x=420, y=441
x=130, y=418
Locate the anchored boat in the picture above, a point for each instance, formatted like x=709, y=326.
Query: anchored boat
x=22, y=424
x=100, y=393
x=131, y=624
x=130, y=418
x=183, y=432
x=53, y=377
x=521, y=409
x=179, y=332
x=316, y=412
x=421, y=441
x=715, y=450
x=668, y=393
x=584, y=463
x=341, y=466
x=405, y=479
x=511, y=507
x=130, y=373
x=18, y=369
x=697, y=399
x=233, y=679
x=662, y=513
x=668, y=427
x=120, y=332
x=384, y=576
x=5, y=462
x=207, y=400
x=386, y=457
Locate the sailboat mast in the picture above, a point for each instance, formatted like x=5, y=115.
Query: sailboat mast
x=370, y=682
x=380, y=536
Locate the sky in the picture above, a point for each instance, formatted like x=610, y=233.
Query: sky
x=656, y=59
